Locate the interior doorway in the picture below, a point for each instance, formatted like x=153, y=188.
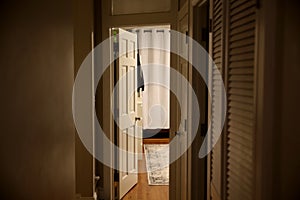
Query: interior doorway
x=201, y=34
x=141, y=52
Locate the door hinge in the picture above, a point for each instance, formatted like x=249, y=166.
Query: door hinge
x=210, y=25
x=116, y=177
x=257, y=4
x=186, y=37
x=203, y=129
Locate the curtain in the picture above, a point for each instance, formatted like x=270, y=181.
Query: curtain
x=156, y=98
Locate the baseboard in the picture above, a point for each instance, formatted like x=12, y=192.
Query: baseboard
x=79, y=197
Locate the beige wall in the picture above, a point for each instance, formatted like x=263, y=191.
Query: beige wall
x=37, y=134
x=278, y=162
x=287, y=146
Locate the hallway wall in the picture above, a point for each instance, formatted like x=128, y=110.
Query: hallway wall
x=287, y=109
x=37, y=135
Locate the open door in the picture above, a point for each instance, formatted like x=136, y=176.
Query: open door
x=126, y=48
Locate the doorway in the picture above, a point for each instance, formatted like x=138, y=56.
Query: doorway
x=141, y=53
x=201, y=34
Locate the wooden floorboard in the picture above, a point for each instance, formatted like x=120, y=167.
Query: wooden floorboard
x=143, y=191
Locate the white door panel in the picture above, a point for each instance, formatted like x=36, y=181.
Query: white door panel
x=127, y=139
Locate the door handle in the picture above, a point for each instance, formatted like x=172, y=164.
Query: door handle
x=137, y=118
x=177, y=133
x=203, y=129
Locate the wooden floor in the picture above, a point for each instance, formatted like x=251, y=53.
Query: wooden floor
x=143, y=191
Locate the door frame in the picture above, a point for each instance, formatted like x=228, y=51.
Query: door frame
x=199, y=187
x=109, y=21
x=182, y=184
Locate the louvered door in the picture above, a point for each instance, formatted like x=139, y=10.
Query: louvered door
x=241, y=103
x=217, y=56
x=233, y=51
